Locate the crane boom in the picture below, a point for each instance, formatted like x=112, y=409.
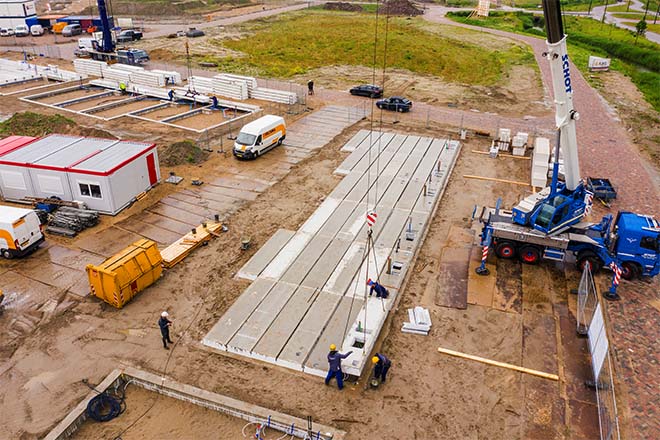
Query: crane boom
x=565, y=114
x=107, y=45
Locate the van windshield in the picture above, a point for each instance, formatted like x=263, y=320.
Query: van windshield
x=246, y=139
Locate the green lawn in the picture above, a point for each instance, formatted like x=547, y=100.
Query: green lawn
x=636, y=16
x=295, y=43
x=639, y=60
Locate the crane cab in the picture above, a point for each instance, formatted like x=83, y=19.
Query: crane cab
x=636, y=245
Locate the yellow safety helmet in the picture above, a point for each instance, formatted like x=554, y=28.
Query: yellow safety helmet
x=375, y=359
x=333, y=347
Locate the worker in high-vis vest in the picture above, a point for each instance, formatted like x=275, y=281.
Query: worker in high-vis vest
x=122, y=88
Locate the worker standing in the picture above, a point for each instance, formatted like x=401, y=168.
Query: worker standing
x=164, y=323
x=310, y=87
x=334, y=370
x=381, y=366
x=122, y=88
x=381, y=291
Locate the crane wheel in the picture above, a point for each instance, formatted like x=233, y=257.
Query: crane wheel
x=629, y=271
x=530, y=254
x=594, y=261
x=505, y=250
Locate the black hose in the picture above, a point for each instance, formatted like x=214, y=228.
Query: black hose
x=105, y=407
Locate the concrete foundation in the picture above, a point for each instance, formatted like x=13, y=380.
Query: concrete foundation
x=309, y=287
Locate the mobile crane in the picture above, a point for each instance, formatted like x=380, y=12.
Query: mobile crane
x=549, y=224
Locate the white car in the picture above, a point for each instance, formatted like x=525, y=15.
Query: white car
x=6, y=32
x=22, y=30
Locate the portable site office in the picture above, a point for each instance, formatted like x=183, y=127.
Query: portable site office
x=106, y=174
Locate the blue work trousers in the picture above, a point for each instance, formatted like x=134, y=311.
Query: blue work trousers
x=339, y=375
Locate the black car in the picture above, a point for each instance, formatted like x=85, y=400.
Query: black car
x=395, y=103
x=193, y=33
x=368, y=90
x=128, y=36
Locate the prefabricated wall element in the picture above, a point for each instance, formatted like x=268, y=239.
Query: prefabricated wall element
x=540, y=160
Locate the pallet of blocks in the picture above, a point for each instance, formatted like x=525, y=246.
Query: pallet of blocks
x=180, y=249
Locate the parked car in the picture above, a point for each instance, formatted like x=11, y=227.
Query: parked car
x=71, y=30
x=37, y=30
x=192, y=33
x=22, y=30
x=129, y=35
x=368, y=90
x=6, y=32
x=395, y=103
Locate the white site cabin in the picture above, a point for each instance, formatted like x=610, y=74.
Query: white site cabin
x=105, y=174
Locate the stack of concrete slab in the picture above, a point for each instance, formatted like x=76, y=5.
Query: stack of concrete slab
x=275, y=95
x=540, y=160
x=20, y=71
x=309, y=287
x=504, y=138
x=249, y=80
x=230, y=88
x=519, y=144
x=89, y=67
x=128, y=68
x=172, y=77
x=116, y=75
x=419, y=321
x=146, y=78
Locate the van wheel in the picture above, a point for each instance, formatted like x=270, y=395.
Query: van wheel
x=6, y=254
x=279, y=141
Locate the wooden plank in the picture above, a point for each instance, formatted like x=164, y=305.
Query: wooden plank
x=499, y=364
x=180, y=249
x=503, y=155
x=494, y=179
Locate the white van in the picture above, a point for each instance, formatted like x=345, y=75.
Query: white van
x=20, y=231
x=259, y=136
x=22, y=30
x=36, y=30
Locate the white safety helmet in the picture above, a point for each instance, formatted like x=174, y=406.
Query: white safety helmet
x=164, y=314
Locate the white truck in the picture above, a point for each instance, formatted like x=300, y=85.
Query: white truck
x=20, y=232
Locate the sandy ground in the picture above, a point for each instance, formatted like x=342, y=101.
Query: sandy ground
x=163, y=420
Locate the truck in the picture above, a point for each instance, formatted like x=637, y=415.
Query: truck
x=551, y=224
x=129, y=35
x=20, y=232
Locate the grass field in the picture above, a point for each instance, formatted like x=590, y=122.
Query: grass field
x=298, y=42
x=639, y=60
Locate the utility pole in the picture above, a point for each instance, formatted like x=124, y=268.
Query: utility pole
x=604, y=13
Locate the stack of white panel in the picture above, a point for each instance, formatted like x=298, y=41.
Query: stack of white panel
x=89, y=67
x=519, y=144
x=147, y=78
x=250, y=80
x=419, y=321
x=540, y=160
x=172, y=77
x=504, y=139
x=274, y=95
x=105, y=83
x=117, y=75
x=234, y=89
x=128, y=68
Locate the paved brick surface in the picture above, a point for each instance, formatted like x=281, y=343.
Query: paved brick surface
x=605, y=150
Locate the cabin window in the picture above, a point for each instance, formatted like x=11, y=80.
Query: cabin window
x=90, y=190
x=649, y=243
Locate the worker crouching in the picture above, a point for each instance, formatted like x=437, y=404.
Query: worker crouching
x=334, y=363
x=381, y=366
x=381, y=291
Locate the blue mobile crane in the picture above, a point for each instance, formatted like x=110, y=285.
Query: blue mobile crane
x=549, y=224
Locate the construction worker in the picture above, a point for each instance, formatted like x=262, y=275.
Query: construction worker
x=310, y=87
x=381, y=366
x=334, y=361
x=214, y=102
x=164, y=323
x=122, y=88
x=171, y=94
x=381, y=291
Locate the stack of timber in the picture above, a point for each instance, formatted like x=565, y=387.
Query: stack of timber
x=69, y=221
x=420, y=321
x=180, y=249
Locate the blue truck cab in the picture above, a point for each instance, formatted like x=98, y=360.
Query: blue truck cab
x=636, y=245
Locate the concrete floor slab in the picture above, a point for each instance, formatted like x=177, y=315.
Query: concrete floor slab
x=319, y=275
x=262, y=317
x=274, y=339
x=265, y=254
x=333, y=333
x=355, y=141
x=224, y=330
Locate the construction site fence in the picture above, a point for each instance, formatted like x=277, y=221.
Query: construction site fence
x=592, y=323
x=34, y=52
